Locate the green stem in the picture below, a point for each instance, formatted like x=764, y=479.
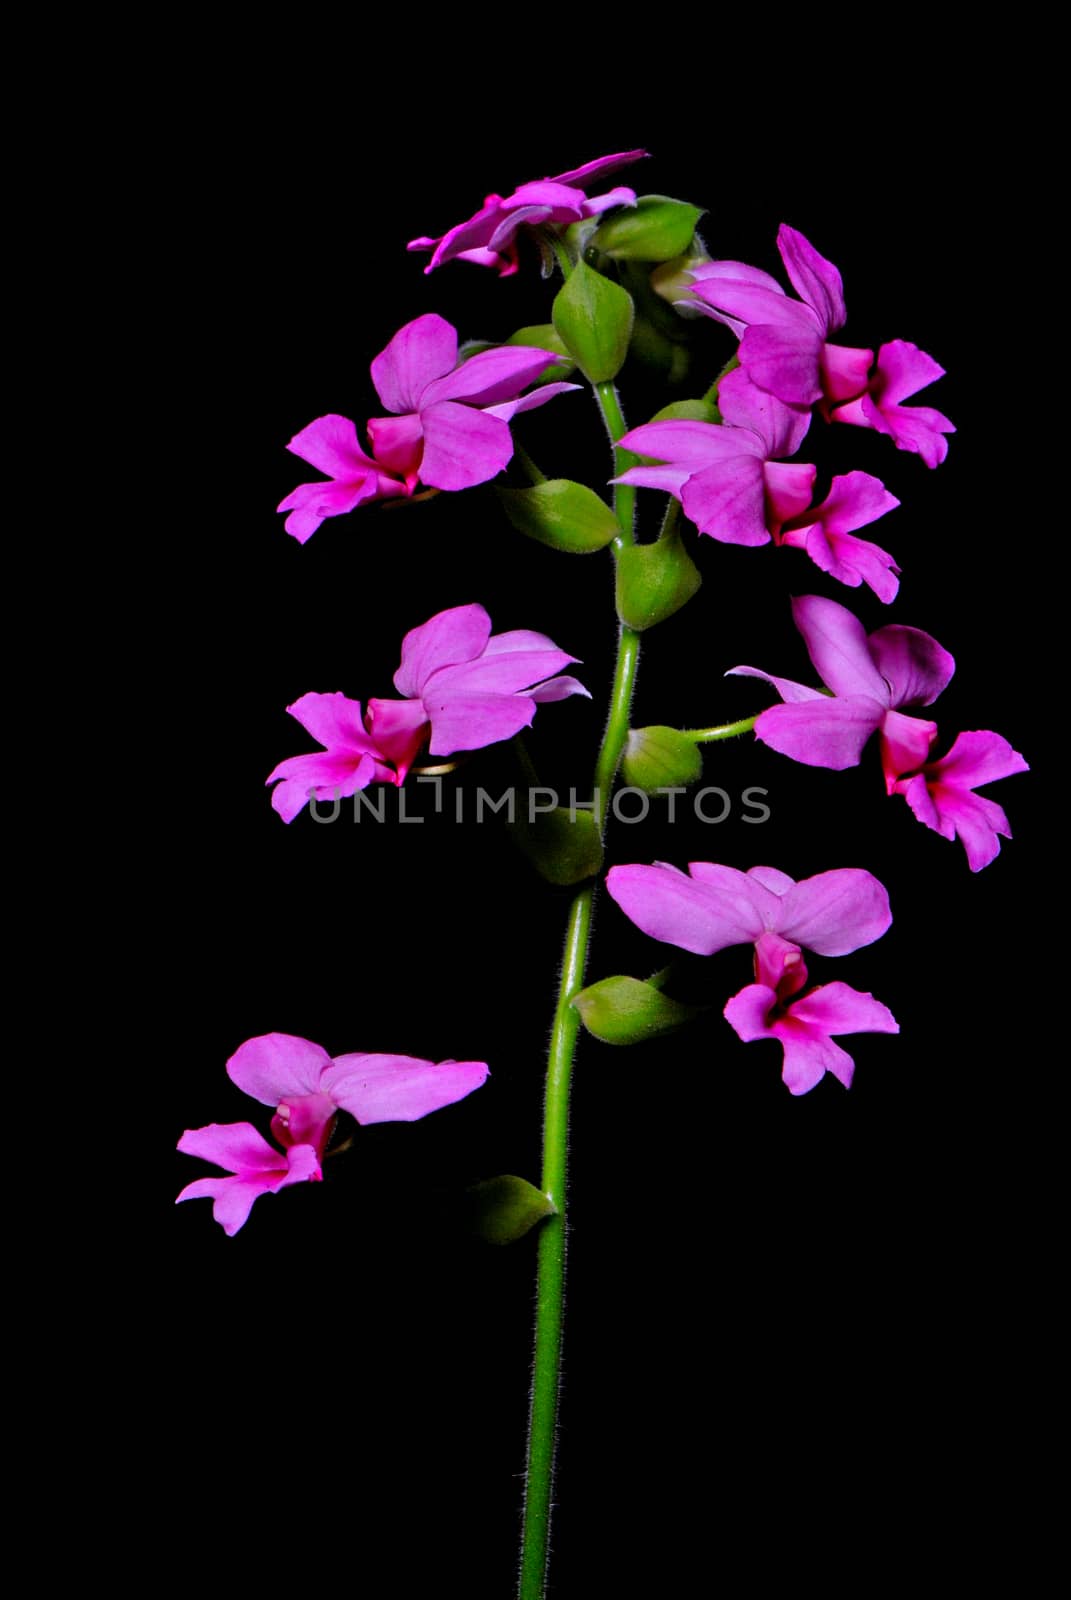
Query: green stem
x=557, y=244
x=624, y=493
x=550, y=1279
x=724, y=730
x=526, y=464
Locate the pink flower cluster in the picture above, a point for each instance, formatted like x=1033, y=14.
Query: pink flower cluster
x=448, y=428
x=308, y=1089
x=464, y=687
x=711, y=907
x=869, y=680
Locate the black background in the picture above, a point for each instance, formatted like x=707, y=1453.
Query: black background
x=769, y=1298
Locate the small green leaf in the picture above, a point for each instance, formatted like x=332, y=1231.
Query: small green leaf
x=563, y=845
x=654, y=581
x=505, y=1208
x=565, y=515
x=688, y=411
x=660, y=758
x=627, y=1011
x=656, y=228
x=594, y=318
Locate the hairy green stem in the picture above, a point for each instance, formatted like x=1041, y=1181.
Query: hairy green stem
x=526, y=464
x=550, y=1278
x=724, y=730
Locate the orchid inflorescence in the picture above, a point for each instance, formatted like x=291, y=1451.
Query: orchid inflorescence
x=728, y=460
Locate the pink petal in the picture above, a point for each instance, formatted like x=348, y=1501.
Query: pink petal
x=903, y=369
x=905, y=744
x=669, y=479
x=977, y=823
x=606, y=202
x=471, y=234
x=809, y=1056
x=399, y=444
x=977, y=758
x=667, y=904
x=919, y=429
x=728, y=501
x=835, y=912
x=334, y=720
x=746, y=892
x=559, y=688
x=744, y=297
x=845, y=371
x=790, y=691
x=815, y=280
x=917, y=794
x=748, y=1012
x=784, y=360
x=330, y=445
x=691, y=443
x=837, y=645
x=823, y=733
x=778, y=883
x=234, y=1146
x=530, y=402
x=275, y=1065
x=850, y=560
x=836, y=1008
x=326, y=775
x=789, y=487
x=310, y=503
x=491, y=376
x=853, y=501
x=502, y=673
x=471, y=721
x=459, y=634
x=423, y=350
x=386, y=1088
x=780, y=963
x=462, y=447
x=304, y=1119
x=599, y=168
x=913, y=664
x=400, y=728
x=781, y=427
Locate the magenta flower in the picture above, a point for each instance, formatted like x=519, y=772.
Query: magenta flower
x=490, y=237
x=330, y=445
x=256, y=1167
x=451, y=422
x=942, y=794
x=716, y=906
x=826, y=533
x=465, y=688
x=784, y=344
x=308, y=1088
x=730, y=479
x=869, y=679
x=902, y=370
x=805, y=1025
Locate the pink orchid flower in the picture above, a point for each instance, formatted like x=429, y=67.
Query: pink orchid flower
x=308, y=1089
x=451, y=422
x=784, y=344
x=942, y=794
x=490, y=237
x=804, y=1024
x=734, y=486
x=256, y=1166
x=330, y=445
x=868, y=678
x=711, y=907
x=902, y=370
x=465, y=688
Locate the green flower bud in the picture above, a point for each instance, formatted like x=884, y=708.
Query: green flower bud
x=660, y=758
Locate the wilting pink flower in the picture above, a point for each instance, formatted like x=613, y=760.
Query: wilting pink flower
x=307, y=1088
x=451, y=422
x=465, y=688
x=490, y=237
x=805, y=1025
x=902, y=370
x=716, y=906
x=870, y=678
x=330, y=445
x=784, y=344
x=942, y=794
x=730, y=479
x=257, y=1168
